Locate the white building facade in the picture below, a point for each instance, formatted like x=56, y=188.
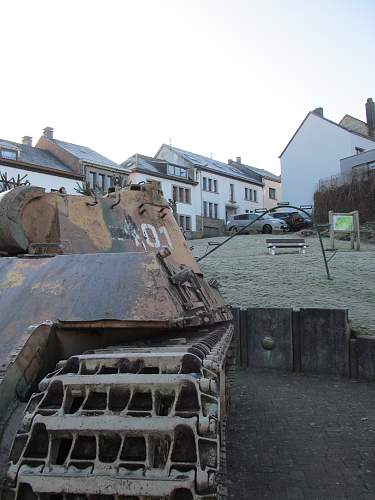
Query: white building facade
x=45, y=180
x=314, y=153
x=206, y=192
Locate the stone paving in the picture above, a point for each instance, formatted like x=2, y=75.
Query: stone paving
x=300, y=437
x=249, y=277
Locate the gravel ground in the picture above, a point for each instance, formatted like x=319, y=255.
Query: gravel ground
x=250, y=277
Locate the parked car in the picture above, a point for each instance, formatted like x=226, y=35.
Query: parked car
x=295, y=220
x=266, y=224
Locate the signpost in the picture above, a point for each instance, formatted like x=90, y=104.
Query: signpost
x=345, y=223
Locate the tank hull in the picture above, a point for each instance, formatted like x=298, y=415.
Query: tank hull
x=79, y=275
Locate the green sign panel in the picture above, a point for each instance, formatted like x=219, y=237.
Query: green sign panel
x=343, y=223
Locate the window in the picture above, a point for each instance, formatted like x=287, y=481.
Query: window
x=272, y=193
x=102, y=182
x=231, y=186
x=8, y=154
x=210, y=210
x=249, y=194
x=210, y=185
x=255, y=194
x=181, y=194
x=110, y=180
x=205, y=208
x=92, y=180
x=243, y=217
x=184, y=222
x=216, y=211
x=177, y=171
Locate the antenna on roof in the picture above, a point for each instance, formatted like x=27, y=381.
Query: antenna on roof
x=211, y=155
x=170, y=141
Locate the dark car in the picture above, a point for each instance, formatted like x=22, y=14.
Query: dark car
x=295, y=220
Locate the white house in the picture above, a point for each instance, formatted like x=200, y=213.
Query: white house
x=363, y=161
x=272, y=189
x=53, y=164
x=315, y=150
x=206, y=191
x=34, y=166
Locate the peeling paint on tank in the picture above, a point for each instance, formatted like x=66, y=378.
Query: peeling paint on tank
x=92, y=222
x=13, y=279
x=53, y=288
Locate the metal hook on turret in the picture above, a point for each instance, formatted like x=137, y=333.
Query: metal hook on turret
x=118, y=201
x=94, y=195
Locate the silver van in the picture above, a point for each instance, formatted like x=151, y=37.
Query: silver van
x=266, y=224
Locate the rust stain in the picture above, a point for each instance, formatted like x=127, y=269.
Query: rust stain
x=16, y=276
x=91, y=221
x=153, y=265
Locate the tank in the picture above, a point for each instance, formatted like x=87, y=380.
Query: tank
x=114, y=351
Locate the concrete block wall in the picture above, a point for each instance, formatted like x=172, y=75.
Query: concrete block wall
x=316, y=341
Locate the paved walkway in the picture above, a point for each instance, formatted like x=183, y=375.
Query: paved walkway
x=300, y=437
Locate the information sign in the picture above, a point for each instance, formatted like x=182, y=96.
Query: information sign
x=343, y=223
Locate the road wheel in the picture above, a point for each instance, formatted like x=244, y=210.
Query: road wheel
x=233, y=230
x=267, y=229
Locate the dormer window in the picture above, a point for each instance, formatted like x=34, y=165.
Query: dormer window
x=9, y=154
x=177, y=171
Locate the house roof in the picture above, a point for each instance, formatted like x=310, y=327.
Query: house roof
x=143, y=162
x=352, y=118
x=84, y=153
x=35, y=157
x=262, y=172
x=233, y=170
x=152, y=166
x=329, y=121
x=355, y=125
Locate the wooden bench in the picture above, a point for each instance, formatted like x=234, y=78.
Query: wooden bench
x=274, y=243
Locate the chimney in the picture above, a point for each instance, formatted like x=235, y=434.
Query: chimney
x=318, y=111
x=238, y=159
x=230, y=161
x=27, y=140
x=370, y=114
x=48, y=133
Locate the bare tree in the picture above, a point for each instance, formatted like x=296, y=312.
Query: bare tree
x=357, y=193
x=118, y=181
x=12, y=182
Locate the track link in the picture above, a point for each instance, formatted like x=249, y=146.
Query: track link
x=126, y=423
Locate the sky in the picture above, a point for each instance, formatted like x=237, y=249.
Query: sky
x=225, y=78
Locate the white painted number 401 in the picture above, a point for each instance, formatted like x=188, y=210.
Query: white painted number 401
x=153, y=236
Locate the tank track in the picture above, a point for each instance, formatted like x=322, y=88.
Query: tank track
x=132, y=423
